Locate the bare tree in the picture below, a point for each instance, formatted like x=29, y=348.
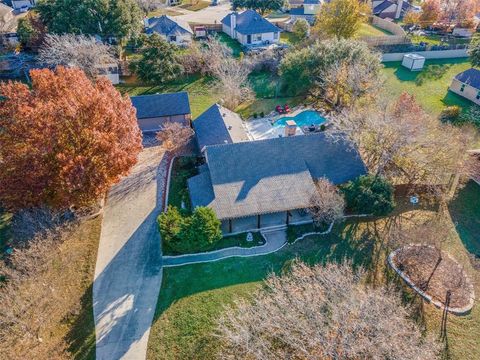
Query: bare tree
x=327, y=204
x=322, y=312
x=400, y=141
x=232, y=74
x=80, y=51
x=174, y=136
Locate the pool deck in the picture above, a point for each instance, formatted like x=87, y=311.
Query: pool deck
x=260, y=129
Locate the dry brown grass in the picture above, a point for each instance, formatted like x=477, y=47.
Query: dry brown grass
x=46, y=304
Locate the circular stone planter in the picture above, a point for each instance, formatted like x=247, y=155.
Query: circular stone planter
x=468, y=283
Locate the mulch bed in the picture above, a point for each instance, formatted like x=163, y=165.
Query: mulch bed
x=434, y=273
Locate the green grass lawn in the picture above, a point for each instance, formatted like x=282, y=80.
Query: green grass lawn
x=436, y=40
x=201, y=90
x=233, y=44
x=192, y=297
x=465, y=211
x=289, y=38
x=432, y=92
x=183, y=168
x=368, y=30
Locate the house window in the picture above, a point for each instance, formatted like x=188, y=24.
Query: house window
x=173, y=38
x=257, y=37
x=462, y=88
x=275, y=35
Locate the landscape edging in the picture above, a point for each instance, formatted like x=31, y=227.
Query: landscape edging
x=457, y=311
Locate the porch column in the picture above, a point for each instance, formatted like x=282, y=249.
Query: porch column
x=230, y=226
x=259, y=225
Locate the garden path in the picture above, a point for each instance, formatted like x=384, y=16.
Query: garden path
x=275, y=240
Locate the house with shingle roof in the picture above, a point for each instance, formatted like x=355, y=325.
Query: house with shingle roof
x=250, y=28
x=173, y=30
x=467, y=85
x=307, y=10
x=392, y=9
x=266, y=183
x=219, y=125
x=155, y=110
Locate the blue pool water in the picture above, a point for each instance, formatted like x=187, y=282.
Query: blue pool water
x=305, y=118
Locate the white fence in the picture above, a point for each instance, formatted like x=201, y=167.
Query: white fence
x=438, y=54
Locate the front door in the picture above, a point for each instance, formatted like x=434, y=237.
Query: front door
x=249, y=39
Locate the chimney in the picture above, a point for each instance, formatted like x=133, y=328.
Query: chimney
x=290, y=128
x=233, y=24
x=145, y=22
x=399, y=9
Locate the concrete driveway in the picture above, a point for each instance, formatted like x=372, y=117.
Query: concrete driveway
x=209, y=15
x=128, y=271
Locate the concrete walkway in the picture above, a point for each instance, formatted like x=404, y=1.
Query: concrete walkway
x=128, y=271
x=275, y=240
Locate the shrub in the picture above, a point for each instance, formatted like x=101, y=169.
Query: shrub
x=450, y=113
x=472, y=116
x=255, y=115
x=369, y=194
x=301, y=29
x=202, y=229
x=198, y=232
x=262, y=114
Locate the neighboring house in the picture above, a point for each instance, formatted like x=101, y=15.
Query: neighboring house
x=267, y=183
x=153, y=111
x=467, y=85
x=109, y=71
x=392, y=9
x=23, y=4
x=8, y=23
x=218, y=125
x=172, y=29
x=308, y=10
x=250, y=28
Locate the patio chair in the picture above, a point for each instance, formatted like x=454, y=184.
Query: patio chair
x=286, y=109
x=279, y=109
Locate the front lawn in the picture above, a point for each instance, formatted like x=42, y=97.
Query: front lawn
x=432, y=91
x=192, y=297
x=195, y=5
x=201, y=90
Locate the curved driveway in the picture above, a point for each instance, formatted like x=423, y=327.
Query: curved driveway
x=128, y=271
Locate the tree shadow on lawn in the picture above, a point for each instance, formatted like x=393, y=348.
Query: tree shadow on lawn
x=360, y=241
x=465, y=212
x=433, y=70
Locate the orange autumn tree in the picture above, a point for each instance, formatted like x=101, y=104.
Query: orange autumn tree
x=64, y=141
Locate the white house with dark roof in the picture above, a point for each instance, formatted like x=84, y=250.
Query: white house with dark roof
x=174, y=30
x=218, y=125
x=250, y=28
x=467, y=85
x=155, y=110
x=268, y=183
x=307, y=10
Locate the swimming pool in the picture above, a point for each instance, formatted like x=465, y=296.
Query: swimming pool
x=305, y=118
